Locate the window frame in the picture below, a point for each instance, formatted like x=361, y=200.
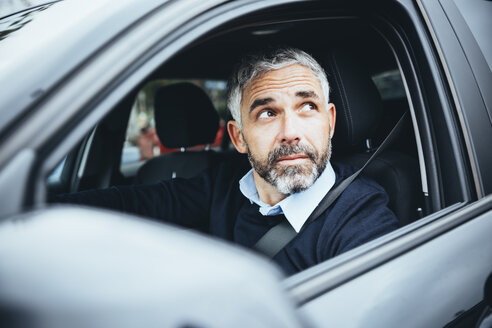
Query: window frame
x=134, y=71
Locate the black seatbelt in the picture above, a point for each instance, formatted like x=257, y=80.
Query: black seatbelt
x=275, y=239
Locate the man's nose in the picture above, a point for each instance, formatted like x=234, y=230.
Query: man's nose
x=290, y=129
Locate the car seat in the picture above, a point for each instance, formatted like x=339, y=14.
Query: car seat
x=184, y=117
x=359, y=116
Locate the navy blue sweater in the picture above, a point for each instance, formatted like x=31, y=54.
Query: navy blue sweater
x=212, y=202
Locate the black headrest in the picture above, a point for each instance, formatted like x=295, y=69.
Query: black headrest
x=356, y=98
x=184, y=116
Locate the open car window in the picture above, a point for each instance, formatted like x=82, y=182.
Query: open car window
x=414, y=178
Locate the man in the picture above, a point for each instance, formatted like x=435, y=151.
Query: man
x=284, y=122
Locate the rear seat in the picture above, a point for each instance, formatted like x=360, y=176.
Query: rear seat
x=184, y=117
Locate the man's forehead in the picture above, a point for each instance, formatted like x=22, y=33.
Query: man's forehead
x=291, y=73
x=289, y=76
x=298, y=79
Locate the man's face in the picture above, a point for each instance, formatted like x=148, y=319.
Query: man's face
x=286, y=128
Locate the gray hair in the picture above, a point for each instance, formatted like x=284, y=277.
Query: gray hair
x=254, y=66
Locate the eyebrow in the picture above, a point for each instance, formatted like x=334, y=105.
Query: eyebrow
x=260, y=102
x=307, y=94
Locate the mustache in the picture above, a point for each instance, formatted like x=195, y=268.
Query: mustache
x=287, y=150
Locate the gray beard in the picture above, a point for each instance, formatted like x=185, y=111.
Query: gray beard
x=295, y=178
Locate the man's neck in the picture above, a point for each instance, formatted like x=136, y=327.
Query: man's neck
x=267, y=193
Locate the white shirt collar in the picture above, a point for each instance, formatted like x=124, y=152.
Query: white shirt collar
x=296, y=207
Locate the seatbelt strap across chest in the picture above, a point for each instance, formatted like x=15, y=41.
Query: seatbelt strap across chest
x=275, y=239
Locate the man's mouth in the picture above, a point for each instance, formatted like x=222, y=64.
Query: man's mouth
x=292, y=159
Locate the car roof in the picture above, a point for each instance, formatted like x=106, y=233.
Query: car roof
x=41, y=45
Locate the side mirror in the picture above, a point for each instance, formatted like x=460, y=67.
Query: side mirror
x=79, y=267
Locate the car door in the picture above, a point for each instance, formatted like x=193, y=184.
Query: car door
x=422, y=274
x=434, y=275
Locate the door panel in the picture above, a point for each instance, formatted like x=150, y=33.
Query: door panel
x=425, y=287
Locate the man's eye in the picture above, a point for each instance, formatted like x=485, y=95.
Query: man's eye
x=266, y=114
x=308, y=107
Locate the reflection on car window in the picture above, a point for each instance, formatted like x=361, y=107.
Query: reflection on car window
x=142, y=142
x=389, y=84
x=13, y=23
x=55, y=175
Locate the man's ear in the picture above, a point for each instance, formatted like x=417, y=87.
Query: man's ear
x=332, y=114
x=236, y=136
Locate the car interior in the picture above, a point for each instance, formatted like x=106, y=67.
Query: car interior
x=367, y=88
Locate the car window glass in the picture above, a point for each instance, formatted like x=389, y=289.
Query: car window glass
x=9, y=25
x=12, y=6
x=389, y=84
x=142, y=142
x=477, y=14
